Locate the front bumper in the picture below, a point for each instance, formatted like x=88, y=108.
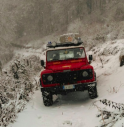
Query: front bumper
x=60, y=90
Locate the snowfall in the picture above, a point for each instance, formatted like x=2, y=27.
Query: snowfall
x=76, y=109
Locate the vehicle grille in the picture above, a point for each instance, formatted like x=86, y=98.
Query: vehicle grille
x=68, y=77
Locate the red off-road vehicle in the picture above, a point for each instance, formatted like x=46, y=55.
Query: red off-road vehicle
x=67, y=70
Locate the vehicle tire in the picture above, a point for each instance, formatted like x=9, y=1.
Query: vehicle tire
x=47, y=98
x=40, y=82
x=92, y=90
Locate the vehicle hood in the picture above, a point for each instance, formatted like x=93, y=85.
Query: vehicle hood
x=66, y=66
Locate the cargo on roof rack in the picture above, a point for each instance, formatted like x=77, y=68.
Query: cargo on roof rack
x=70, y=37
x=50, y=45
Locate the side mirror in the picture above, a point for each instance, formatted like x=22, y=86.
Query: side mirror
x=90, y=57
x=42, y=63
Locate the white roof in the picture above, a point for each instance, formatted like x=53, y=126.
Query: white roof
x=68, y=47
x=68, y=34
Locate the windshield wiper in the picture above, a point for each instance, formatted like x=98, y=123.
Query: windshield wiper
x=71, y=58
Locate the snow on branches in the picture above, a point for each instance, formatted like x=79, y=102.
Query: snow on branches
x=16, y=86
x=109, y=111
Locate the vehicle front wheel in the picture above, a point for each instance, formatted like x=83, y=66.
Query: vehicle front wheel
x=47, y=98
x=92, y=90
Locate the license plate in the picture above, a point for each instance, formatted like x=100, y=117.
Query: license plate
x=68, y=86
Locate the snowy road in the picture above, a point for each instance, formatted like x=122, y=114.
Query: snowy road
x=68, y=111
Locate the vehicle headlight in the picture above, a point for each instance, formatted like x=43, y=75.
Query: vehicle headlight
x=85, y=73
x=50, y=78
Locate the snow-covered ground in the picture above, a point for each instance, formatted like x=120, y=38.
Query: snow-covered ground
x=76, y=109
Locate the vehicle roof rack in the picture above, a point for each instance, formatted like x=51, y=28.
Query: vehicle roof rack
x=64, y=44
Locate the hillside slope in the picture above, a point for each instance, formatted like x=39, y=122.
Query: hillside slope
x=25, y=21
x=22, y=21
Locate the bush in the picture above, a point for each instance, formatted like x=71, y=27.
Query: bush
x=16, y=86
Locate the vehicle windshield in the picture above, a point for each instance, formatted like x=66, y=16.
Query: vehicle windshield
x=65, y=54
